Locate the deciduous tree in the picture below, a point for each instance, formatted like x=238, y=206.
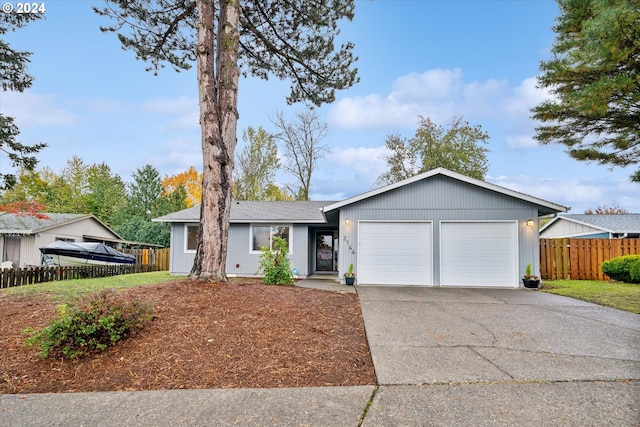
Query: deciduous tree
x=455, y=148
x=594, y=77
x=256, y=167
x=281, y=38
x=614, y=209
x=302, y=147
x=190, y=181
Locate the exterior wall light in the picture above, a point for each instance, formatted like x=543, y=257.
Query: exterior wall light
x=347, y=221
x=530, y=223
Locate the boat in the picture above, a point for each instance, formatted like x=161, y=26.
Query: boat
x=72, y=254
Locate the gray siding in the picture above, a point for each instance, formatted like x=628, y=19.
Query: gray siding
x=439, y=199
x=181, y=261
x=240, y=260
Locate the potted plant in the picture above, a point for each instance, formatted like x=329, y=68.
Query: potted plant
x=529, y=280
x=350, y=277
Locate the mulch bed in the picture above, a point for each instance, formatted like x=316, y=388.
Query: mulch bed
x=203, y=335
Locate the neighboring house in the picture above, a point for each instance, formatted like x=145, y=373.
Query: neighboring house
x=592, y=226
x=22, y=236
x=438, y=228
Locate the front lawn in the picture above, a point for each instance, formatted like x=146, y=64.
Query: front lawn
x=623, y=296
x=71, y=288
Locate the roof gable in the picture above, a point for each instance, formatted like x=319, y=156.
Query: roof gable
x=627, y=223
x=544, y=207
x=11, y=223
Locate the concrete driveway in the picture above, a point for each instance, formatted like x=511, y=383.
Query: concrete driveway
x=490, y=356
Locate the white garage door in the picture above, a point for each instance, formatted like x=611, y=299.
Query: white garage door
x=479, y=254
x=394, y=253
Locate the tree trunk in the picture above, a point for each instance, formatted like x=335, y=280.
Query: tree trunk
x=218, y=75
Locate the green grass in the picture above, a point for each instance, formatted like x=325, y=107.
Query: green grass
x=71, y=288
x=623, y=296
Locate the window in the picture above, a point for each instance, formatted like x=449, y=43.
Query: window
x=262, y=236
x=191, y=238
x=65, y=239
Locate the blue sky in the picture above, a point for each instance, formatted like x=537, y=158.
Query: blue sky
x=439, y=59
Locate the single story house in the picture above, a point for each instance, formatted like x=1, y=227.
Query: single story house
x=22, y=236
x=439, y=228
x=584, y=226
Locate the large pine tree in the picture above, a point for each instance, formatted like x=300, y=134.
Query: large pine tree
x=594, y=77
x=281, y=38
x=14, y=77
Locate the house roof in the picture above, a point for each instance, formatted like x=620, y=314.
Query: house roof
x=544, y=207
x=11, y=223
x=260, y=211
x=627, y=223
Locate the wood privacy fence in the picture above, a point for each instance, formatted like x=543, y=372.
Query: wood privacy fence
x=581, y=259
x=156, y=259
x=146, y=260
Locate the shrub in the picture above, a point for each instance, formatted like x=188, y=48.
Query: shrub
x=275, y=265
x=623, y=269
x=90, y=324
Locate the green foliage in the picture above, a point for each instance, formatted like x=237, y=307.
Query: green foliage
x=280, y=38
x=274, y=264
x=256, y=166
x=594, y=76
x=624, y=269
x=456, y=148
x=91, y=324
x=138, y=229
x=350, y=273
x=528, y=271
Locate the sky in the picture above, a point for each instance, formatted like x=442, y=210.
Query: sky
x=476, y=59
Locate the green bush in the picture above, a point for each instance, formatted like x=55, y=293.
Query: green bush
x=91, y=323
x=275, y=265
x=623, y=269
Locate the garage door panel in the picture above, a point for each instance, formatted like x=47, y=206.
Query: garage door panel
x=395, y=253
x=479, y=254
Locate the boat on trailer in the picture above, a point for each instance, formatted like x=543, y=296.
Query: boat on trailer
x=76, y=254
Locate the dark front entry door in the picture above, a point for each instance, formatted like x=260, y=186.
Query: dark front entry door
x=325, y=251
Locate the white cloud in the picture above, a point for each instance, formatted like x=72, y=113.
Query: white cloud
x=178, y=105
x=30, y=110
x=441, y=95
x=578, y=194
x=177, y=156
x=185, y=111
x=521, y=141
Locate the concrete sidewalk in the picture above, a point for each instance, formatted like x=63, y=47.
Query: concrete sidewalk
x=443, y=357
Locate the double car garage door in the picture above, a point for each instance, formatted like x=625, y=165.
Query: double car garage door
x=471, y=253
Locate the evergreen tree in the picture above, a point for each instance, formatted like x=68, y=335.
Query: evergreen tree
x=594, y=76
x=281, y=38
x=14, y=77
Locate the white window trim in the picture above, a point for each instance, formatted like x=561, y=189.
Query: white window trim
x=271, y=224
x=186, y=237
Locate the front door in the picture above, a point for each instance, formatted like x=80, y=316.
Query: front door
x=325, y=251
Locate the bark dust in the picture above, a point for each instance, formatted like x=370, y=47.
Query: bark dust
x=203, y=335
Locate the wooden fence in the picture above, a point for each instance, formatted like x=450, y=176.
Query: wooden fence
x=580, y=259
x=157, y=258
x=10, y=277
x=146, y=260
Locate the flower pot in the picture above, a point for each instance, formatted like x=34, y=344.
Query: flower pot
x=349, y=281
x=531, y=283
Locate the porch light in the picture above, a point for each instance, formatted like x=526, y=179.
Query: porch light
x=530, y=223
x=347, y=221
